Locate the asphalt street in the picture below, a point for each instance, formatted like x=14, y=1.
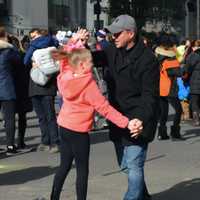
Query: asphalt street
x=172, y=169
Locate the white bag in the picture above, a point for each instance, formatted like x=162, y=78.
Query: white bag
x=38, y=76
x=44, y=60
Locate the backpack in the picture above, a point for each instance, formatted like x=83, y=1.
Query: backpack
x=165, y=80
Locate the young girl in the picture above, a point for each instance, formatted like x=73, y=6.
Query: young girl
x=81, y=98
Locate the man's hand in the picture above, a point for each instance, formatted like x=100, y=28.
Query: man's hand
x=135, y=126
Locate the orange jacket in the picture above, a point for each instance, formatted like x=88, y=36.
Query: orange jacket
x=81, y=98
x=165, y=80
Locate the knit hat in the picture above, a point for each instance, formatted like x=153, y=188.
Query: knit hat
x=101, y=33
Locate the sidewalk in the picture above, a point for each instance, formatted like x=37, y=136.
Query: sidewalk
x=172, y=169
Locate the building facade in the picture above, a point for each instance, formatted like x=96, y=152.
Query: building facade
x=23, y=15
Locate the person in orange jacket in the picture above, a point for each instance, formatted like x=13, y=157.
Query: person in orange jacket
x=169, y=71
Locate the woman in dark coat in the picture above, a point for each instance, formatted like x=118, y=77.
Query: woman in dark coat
x=193, y=64
x=23, y=102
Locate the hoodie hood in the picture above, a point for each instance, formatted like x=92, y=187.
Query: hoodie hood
x=71, y=86
x=5, y=45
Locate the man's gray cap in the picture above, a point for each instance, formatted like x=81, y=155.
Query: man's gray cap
x=121, y=23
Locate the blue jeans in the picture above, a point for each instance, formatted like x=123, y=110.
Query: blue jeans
x=45, y=110
x=131, y=160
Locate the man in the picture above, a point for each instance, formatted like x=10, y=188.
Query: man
x=43, y=96
x=133, y=85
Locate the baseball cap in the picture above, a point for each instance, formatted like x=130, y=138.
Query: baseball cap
x=121, y=23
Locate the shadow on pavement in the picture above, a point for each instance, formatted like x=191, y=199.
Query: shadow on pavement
x=21, y=152
x=188, y=190
x=25, y=175
x=191, y=133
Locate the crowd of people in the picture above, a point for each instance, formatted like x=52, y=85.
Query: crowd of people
x=138, y=78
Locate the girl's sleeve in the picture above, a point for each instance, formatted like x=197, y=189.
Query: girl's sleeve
x=101, y=105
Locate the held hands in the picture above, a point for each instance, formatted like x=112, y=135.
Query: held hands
x=135, y=126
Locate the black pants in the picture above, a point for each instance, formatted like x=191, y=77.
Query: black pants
x=22, y=124
x=164, y=109
x=195, y=102
x=74, y=145
x=8, y=112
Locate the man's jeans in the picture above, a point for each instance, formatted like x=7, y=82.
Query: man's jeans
x=131, y=160
x=45, y=110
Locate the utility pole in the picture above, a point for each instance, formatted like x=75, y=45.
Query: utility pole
x=97, y=11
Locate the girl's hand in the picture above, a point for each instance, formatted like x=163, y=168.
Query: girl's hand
x=81, y=35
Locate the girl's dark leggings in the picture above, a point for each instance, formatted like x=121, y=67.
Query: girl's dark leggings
x=74, y=145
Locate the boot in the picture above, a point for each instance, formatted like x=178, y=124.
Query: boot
x=175, y=133
x=196, y=121
x=162, y=133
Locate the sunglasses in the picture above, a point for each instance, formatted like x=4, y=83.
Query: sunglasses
x=116, y=35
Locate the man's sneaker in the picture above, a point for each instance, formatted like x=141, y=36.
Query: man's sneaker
x=43, y=147
x=54, y=149
x=11, y=150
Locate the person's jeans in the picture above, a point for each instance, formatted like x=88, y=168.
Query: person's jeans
x=45, y=110
x=131, y=160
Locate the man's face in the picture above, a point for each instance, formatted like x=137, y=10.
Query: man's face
x=123, y=38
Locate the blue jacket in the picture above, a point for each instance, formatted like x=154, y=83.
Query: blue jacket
x=39, y=43
x=9, y=58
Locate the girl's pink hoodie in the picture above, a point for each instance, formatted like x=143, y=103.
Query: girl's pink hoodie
x=81, y=98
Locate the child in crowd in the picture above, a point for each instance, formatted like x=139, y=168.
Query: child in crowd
x=81, y=98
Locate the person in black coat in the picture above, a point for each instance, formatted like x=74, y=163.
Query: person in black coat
x=23, y=102
x=193, y=65
x=133, y=84
x=9, y=58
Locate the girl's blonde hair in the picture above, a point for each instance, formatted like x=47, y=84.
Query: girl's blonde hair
x=73, y=57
